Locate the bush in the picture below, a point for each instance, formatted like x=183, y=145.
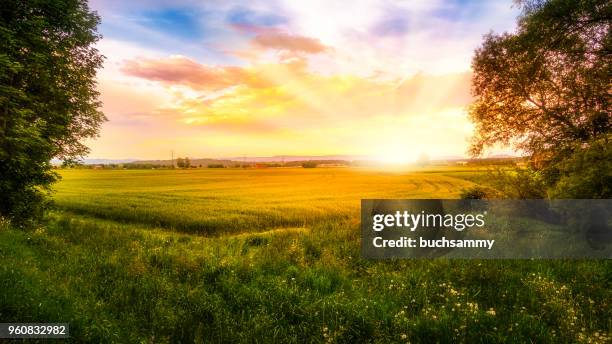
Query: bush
x=309, y=164
x=587, y=173
x=520, y=183
x=471, y=198
x=475, y=192
x=216, y=166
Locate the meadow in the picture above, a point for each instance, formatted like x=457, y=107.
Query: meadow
x=272, y=255
x=222, y=201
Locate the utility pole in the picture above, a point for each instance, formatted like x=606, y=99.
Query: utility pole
x=172, y=158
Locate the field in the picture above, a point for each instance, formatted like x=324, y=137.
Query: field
x=223, y=201
x=272, y=255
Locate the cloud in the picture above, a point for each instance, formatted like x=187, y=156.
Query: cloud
x=267, y=77
x=184, y=71
x=292, y=43
x=287, y=97
x=392, y=27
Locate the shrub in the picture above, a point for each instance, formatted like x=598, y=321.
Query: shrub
x=587, y=173
x=309, y=164
x=475, y=192
x=520, y=183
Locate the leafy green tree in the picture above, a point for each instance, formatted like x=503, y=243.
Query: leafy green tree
x=183, y=162
x=545, y=89
x=522, y=183
x=48, y=97
x=587, y=173
x=309, y=164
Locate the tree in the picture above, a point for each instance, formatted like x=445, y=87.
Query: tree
x=183, y=162
x=587, y=173
x=546, y=88
x=48, y=97
x=309, y=164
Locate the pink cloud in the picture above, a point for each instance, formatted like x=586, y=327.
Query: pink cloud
x=266, y=97
x=182, y=70
x=293, y=43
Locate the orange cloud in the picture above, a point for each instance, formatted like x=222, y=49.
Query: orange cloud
x=288, y=99
x=284, y=108
x=184, y=71
x=292, y=43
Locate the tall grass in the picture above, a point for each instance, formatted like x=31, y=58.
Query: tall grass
x=131, y=281
x=212, y=201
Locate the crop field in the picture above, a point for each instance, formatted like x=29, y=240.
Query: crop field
x=272, y=255
x=222, y=201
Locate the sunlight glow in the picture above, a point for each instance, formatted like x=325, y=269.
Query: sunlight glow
x=379, y=81
x=396, y=153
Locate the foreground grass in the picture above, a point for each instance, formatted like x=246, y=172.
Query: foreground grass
x=127, y=283
x=133, y=281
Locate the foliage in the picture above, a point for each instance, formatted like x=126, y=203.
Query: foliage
x=309, y=164
x=476, y=192
x=144, y=166
x=48, y=97
x=183, y=162
x=546, y=87
x=587, y=173
x=545, y=90
x=520, y=183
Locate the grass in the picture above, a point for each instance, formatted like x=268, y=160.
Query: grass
x=221, y=201
x=128, y=256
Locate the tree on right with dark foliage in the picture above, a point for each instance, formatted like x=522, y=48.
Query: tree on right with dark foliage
x=545, y=90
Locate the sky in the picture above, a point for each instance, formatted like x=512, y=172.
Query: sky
x=212, y=79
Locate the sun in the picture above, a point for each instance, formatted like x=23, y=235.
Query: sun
x=396, y=154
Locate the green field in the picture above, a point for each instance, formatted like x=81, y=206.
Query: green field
x=272, y=255
x=222, y=201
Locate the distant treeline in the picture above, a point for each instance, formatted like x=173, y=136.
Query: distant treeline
x=210, y=163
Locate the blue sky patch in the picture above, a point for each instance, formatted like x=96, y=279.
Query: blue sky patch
x=177, y=22
x=244, y=16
